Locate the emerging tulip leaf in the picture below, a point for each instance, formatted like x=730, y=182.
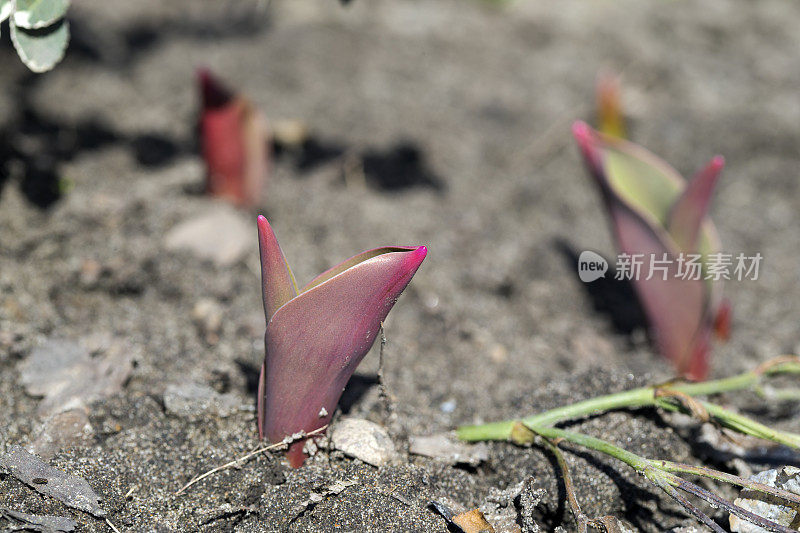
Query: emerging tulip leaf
x=609, y=109
x=278, y=284
x=656, y=216
x=722, y=322
x=691, y=208
x=316, y=339
x=235, y=141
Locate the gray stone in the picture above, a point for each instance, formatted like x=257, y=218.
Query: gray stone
x=62, y=430
x=363, y=440
x=40, y=523
x=529, y=499
x=444, y=448
x=73, y=491
x=787, y=478
x=196, y=400
x=207, y=317
x=68, y=376
x=499, y=509
x=41, y=371
x=220, y=235
x=316, y=497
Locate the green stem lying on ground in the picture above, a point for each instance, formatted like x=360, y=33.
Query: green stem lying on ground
x=674, y=397
x=648, y=397
x=661, y=474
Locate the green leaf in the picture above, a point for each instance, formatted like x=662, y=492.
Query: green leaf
x=34, y=14
x=41, y=49
x=6, y=7
x=640, y=178
x=649, y=185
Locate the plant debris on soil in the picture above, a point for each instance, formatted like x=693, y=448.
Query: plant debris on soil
x=438, y=122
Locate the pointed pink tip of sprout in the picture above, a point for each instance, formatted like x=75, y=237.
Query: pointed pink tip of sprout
x=415, y=258
x=203, y=74
x=585, y=137
x=214, y=93
x=263, y=226
x=717, y=162
x=582, y=132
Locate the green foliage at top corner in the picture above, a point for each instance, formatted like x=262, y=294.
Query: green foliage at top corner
x=39, y=31
x=36, y=14
x=6, y=7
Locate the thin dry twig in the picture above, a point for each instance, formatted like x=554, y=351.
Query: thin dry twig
x=383, y=392
x=691, y=404
x=719, y=502
x=241, y=460
x=789, y=498
x=381, y=385
x=112, y=526
x=689, y=506
x=766, y=366
x=398, y=497
x=608, y=523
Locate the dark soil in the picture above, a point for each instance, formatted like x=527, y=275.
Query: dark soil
x=459, y=113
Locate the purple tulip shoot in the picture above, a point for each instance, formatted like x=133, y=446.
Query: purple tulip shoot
x=654, y=212
x=317, y=335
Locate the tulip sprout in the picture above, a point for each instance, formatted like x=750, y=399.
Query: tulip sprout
x=318, y=334
x=235, y=140
x=657, y=216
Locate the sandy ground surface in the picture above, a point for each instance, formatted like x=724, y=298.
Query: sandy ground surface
x=459, y=113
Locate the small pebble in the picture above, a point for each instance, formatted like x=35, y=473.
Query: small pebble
x=74, y=491
x=68, y=377
x=448, y=407
x=195, y=400
x=62, y=430
x=446, y=449
x=219, y=235
x=207, y=316
x=363, y=440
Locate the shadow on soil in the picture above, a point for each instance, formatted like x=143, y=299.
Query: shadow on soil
x=613, y=298
x=398, y=167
